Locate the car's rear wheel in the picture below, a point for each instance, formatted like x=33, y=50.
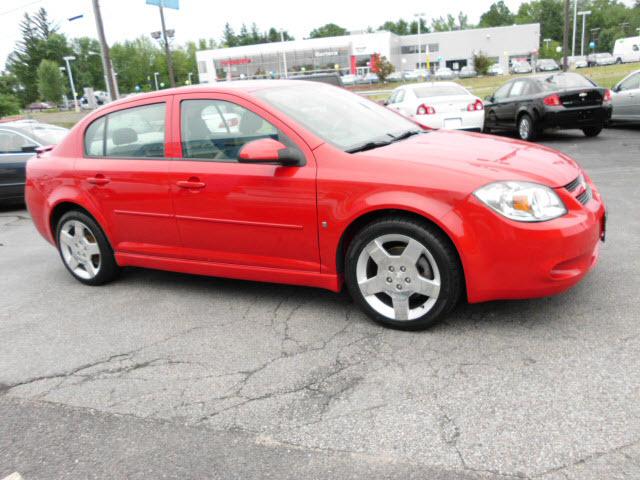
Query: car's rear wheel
x=403, y=274
x=84, y=249
x=527, y=129
x=592, y=131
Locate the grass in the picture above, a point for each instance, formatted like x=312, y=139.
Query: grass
x=483, y=86
x=65, y=119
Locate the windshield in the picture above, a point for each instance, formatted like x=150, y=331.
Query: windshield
x=565, y=81
x=439, y=91
x=339, y=117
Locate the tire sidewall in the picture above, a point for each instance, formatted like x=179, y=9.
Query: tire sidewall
x=531, y=135
x=108, y=267
x=450, y=271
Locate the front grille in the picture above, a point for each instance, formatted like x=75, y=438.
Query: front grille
x=585, y=196
x=582, y=187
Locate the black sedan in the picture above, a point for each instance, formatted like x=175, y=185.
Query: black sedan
x=560, y=100
x=18, y=143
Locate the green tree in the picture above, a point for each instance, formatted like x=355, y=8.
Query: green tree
x=498, y=15
x=328, y=30
x=87, y=67
x=50, y=81
x=549, y=13
x=39, y=40
x=9, y=105
x=442, y=24
x=383, y=68
x=481, y=63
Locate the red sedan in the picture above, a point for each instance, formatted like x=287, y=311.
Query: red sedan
x=308, y=184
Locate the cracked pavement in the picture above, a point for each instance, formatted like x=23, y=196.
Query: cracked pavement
x=542, y=389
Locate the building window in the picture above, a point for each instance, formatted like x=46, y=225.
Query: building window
x=409, y=49
x=434, y=47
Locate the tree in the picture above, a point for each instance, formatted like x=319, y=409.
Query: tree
x=328, y=30
x=382, y=67
x=549, y=13
x=87, y=67
x=229, y=38
x=39, y=40
x=9, y=105
x=50, y=81
x=498, y=15
x=481, y=63
x=443, y=24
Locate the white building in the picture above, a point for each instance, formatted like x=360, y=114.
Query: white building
x=353, y=53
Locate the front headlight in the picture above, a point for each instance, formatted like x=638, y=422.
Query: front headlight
x=522, y=201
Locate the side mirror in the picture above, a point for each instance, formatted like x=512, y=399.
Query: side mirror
x=385, y=103
x=268, y=150
x=616, y=88
x=29, y=149
x=489, y=98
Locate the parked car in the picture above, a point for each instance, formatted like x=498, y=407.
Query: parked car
x=315, y=193
x=411, y=75
x=600, y=59
x=626, y=99
x=395, y=77
x=467, y=72
x=547, y=65
x=444, y=73
x=349, y=79
x=40, y=106
x=329, y=78
x=496, y=69
x=370, y=78
x=580, y=62
x=521, y=66
x=559, y=100
x=18, y=143
x=627, y=50
x=439, y=105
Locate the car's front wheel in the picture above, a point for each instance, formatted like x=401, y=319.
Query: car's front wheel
x=85, y=250
x=527, y=129
x=592, y=131
x=403, y=274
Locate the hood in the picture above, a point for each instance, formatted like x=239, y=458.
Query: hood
x=480, y=159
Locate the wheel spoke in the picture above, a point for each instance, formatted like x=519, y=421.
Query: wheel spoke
x=412, y=252
x=378, y=254
x=66, y=238
x=93, y=249
x=372, y=285
x=90, y=268
x=401, y=307
x=72, y=262
x=78, y=230
x=430, y=288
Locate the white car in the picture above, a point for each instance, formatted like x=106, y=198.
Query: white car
x=601, y=59
x=496, y=69
x=349, y=79
x=521, y=66
x=627, y=50
x=444, y=73
x=439, y=105
x=394, y=77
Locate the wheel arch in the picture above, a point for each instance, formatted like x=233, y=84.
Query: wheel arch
x=366, y=218
x=64, y=206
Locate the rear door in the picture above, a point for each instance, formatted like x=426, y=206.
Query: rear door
x=259, y=215
x=15, y=150
x=626, y=100
x=125, y=173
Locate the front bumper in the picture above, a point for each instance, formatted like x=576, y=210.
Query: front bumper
x=504, y=259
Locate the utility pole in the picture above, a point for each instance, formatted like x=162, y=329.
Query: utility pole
x=67, y=61
x=419, y=17
x=106, y=59
x=584, y=24
x=565, y=37
x=575, y=25
x=167, y=50
x=284, y=55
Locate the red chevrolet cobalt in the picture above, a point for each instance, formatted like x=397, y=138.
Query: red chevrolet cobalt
x=309, y=184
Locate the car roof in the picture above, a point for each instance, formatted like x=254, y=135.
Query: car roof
x=436, y=84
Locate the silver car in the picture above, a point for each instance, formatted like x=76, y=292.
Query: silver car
x=626, y=99
x=601, y=59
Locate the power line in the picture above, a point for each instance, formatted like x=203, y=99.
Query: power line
x=6, y=12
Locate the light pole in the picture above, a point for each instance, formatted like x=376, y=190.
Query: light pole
x=547, y=41
x=419, y=17
x=155, y=79
x=189, y=80
x=584, y=14
x=284, y=54
x=73, y=87
x=575, y=22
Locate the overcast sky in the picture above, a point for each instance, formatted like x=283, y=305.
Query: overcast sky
x=128, y=19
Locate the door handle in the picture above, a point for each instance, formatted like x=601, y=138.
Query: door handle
x=99, y=180
x=191, y=184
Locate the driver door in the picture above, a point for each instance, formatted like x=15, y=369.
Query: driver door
x=234, y=213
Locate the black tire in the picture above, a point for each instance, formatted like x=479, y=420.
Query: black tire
x=592, y=131
x=108, y=268
x=527, y=134
x=442, y=251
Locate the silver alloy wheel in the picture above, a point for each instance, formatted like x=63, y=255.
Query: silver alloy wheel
x=80, y=249
x=398, y=277
x=524, y=128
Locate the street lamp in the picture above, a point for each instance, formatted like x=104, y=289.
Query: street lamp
x=547, y=41
x=419, y=16
x=284, y=54
x=73, y=87
x=584, y=14
x=189, y=80
x=155, y=79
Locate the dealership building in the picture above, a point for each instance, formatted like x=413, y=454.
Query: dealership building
x=353, y=53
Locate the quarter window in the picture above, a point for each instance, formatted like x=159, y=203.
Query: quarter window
x=137, y=132
x=216, y=130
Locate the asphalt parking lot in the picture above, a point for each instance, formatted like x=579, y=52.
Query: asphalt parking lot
x=162, y=375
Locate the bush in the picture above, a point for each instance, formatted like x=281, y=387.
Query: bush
x=384, y=68
x=9, y=105
x=50, y=81
x=481, y=63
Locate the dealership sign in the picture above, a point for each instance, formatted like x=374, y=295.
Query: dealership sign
x=326, y=54
x=235, y=61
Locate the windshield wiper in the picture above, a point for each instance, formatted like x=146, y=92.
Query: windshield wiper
x=403, y=135
x=369, y=146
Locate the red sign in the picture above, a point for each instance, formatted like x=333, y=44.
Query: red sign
x=375, y=62
x=235, y=61
x=353, y=65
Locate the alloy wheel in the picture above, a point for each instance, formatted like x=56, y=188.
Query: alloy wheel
x=80, y=249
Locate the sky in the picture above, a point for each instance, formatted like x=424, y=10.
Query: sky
x=128, y=19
